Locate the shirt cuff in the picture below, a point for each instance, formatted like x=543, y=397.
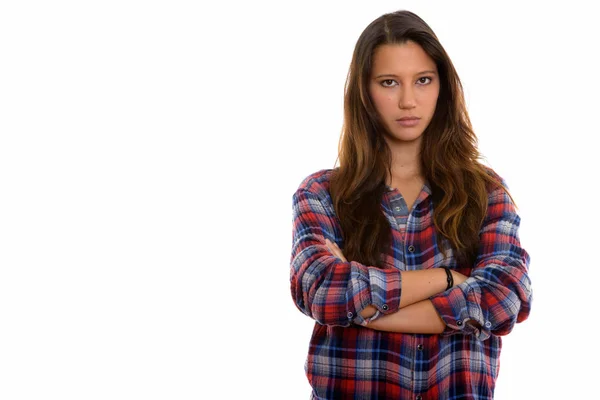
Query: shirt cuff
x=376, y=287
x=459, y=309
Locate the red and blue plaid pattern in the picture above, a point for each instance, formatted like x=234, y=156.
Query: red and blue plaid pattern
x=347, y=360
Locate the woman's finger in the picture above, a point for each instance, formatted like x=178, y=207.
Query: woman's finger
x=338, y=253
x=333, y=248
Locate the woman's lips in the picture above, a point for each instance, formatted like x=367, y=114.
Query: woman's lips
x=408, y=122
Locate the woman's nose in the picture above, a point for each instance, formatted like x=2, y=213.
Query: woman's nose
x=407, y=99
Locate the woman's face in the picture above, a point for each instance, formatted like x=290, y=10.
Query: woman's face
x=404, y=83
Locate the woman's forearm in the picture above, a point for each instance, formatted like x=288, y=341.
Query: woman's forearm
x=416, y=285
x=420, y=285
x=420, y=317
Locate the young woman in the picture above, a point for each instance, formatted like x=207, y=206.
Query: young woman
x=407, y=255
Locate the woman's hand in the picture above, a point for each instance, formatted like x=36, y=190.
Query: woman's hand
x=335, y=250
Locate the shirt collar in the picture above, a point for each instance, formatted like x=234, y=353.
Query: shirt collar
x=426, y=187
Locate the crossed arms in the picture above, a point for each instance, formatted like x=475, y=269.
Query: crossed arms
x=334, y=291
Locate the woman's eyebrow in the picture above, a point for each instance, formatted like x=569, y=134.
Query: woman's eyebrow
x=418, y=73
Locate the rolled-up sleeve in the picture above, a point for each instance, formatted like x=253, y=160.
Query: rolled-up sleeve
x=327, y=289
x=498, y=293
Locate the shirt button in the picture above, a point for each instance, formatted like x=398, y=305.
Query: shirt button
x=384, y=307
x=459, y=323
x=397, y=208
x=488, y=324
x=411, y=248
x=350, y=315
x=420, y=347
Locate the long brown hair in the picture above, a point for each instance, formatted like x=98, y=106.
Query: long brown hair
x=449, y=154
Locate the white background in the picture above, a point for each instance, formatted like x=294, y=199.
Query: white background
x=148, y=156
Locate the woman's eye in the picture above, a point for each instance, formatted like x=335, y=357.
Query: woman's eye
x=418, y=80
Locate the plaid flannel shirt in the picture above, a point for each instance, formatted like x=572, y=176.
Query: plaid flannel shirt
x=349, y=361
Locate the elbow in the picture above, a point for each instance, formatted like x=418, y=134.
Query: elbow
x=299, y=297
x=505, y=302
x=504, y=328
x=315, y=305
x=518, y=311
x=317, y=286
x=496, y=309
x=327, y=312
